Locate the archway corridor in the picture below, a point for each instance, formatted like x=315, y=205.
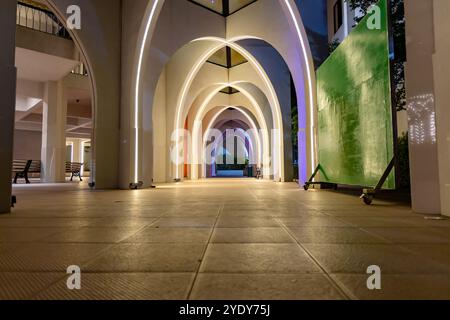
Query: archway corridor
x=192, y=130
x=220, y=239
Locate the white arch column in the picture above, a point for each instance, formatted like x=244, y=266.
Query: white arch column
x=8, y=101
x=196, y=150
x=274, y=103
x=296, y=38
x=253, y=137
x=102, y=53
x=287, y=35
x=279, y=74
x=54, y=133
x=163, y=20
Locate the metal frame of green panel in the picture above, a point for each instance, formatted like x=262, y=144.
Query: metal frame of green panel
x=356, y=118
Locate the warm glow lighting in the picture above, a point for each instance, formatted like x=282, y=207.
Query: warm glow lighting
x=82, y=156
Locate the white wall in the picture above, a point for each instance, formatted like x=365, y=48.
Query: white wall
x=161, y=152
x=27, y=145
x=45, y=43
x=99, y=40
x=179, y=22
x=441, y=68
x=7, y=101
x=420, y=90
x=270, y=20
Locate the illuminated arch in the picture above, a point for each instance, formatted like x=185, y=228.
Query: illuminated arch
x=196, y=131
x=218, y=144
x=274, y=103
x=293, y=15
x=256, y=149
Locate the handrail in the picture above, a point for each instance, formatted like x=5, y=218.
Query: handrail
x=40, y=19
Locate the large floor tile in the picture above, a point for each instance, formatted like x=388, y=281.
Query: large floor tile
x=398, y=287
x=257, y=258
x=49, y=257
x=312, y=221
x=123, y=286
x=40, y=222
x=27, y=234
x=123, y=222
x=92, y=235
x=171, y=235
x=251, y=235
x=23, y=286
x=330, y=235
x=439, y=253
x=356, y=258
x=149, y=258
x=412, y=235
x=381, y=222
x=247, y=222
x=186, y=222
x=264, y=287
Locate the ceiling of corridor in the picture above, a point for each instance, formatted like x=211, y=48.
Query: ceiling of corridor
x=223, y=7
x=38, y=66
x=229, y=90
x=227, y=58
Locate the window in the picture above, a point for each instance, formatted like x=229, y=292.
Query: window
x=337, y=15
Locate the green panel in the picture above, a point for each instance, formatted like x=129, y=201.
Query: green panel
x=356, y=140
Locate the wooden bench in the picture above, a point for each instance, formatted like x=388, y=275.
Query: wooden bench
x=22, y=168
x=74, y=168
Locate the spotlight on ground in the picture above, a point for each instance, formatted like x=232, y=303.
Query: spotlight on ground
x=136, y=186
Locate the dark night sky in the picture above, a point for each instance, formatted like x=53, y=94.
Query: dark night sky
x=314, y=15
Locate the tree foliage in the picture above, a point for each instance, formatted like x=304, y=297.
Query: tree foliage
x=398, y=72
x=399, y=41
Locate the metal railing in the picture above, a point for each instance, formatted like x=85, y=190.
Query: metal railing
x=45, y=21
x=40, y=20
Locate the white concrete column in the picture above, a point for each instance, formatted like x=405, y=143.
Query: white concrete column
x=420, y=91
x=77, y=151
x=8, y=98
x=54, y=133
x=76, y=148
x=442, y=94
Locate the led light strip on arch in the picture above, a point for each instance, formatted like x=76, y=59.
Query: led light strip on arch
x=310, y=82
x=136, y=98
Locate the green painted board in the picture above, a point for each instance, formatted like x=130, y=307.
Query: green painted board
x=355, y=133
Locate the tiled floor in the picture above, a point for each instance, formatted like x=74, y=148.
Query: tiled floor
x=220, y=239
